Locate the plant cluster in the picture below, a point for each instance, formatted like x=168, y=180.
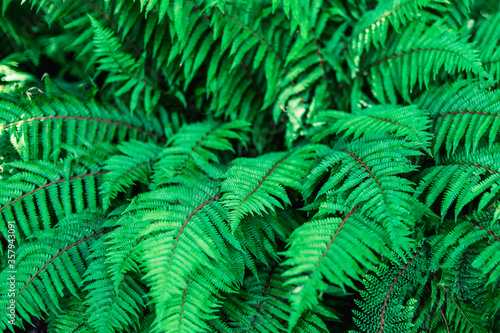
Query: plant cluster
x=250, y=166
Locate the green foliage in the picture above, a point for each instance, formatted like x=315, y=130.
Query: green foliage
x=250, y=166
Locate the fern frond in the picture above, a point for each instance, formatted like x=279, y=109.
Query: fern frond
x=331, y=241
x=372, y=28
x=387, y=305
x=250, y=166
x=194, y=144
x=302, y=14
x=183, y=313
x=134, y=165
x=488, y=38
x=366, y=172
x=111, y=309
x=415, y=56
x=466, y=318
x=257, y=186
x=73, y=318
x=260, y=234
x=463, y=113
x=174, y=247
x=261, y=305
x=460, y=179
x=39, y=127
x=50, y=266
x=404, y=121
x=40, y=190
x=123, y=67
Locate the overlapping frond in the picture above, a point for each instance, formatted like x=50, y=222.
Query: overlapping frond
x=165, y=231
x=366, y=172
x=38, y=128
x=470, y=251
x=111, y=309
x=463, y=114
x=123, y=68
x=258, y=186
x=372, y=28
x=50, y=266
x=194, y=147
x=261, y=235
x=462, y=178
x=417, y=55
x=72, y=319
x=386, y=304
x=404, y=121
x=488, y=39
x=337, y=246
x=41, y=192
x=133, y=165
x=262, y=305
x=250, y=166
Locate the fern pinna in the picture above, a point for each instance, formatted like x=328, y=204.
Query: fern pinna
x=250, y=166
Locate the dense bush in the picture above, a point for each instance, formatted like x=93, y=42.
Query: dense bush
x=238, y=166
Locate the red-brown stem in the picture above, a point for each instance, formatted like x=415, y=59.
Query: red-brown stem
x=199, y=10
x=265, y=177
x=321, y=61
x=405, y=53
x=53, y=183
x=489, y=232
x=440, y=310
x=366, y=168
x=392, y=11
x=454, y=302
x=184, y=225
x=136, y=49
x=139, y=165
x=87, y=119
x=478, y=166
x=398, y=124
x=465, y=112
x=130, y=252
x=460, y=272
x=183, y=300
x=250, y=77
x=342, y=86
x=333, y=238
x=269, y=48
x=386, y=300
x=78, y=327
x=189, y=157
x=137, y=243
x=268, y=281
x=58, y=254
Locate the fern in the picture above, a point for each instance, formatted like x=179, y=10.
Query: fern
x=374, y=25
x=487, y=37
x=418, y=57
x=250, y=166
x=264, y=182
x=463, y=114
x=109, y=309
x=408, y=122
x=337, y=239
x=386, y=296
x=462, y=178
